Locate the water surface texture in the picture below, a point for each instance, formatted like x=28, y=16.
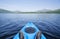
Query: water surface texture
x=10, y=24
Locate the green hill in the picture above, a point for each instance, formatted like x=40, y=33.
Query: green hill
x=5, y=11
x=52, y=11
x=40, y=11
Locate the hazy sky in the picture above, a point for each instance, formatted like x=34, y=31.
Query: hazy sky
x=29, y=5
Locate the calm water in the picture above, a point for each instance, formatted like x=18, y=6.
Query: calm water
x=10, y=24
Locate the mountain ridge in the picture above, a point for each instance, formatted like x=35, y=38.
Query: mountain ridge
x=39, y=11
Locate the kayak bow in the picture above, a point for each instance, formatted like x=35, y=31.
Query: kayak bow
x=29, y=31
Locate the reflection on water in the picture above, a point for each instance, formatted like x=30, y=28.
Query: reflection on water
x=10, y=24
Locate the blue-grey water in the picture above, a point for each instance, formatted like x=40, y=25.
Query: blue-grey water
x=10, y=24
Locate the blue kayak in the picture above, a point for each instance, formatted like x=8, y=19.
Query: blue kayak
x=29, y=31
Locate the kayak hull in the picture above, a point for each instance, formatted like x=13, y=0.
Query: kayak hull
x=29, y=32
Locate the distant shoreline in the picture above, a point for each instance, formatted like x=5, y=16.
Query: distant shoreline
x=36, y=12
x=31, y=13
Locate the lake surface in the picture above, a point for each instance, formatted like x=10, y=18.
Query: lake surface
x=10, y=24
